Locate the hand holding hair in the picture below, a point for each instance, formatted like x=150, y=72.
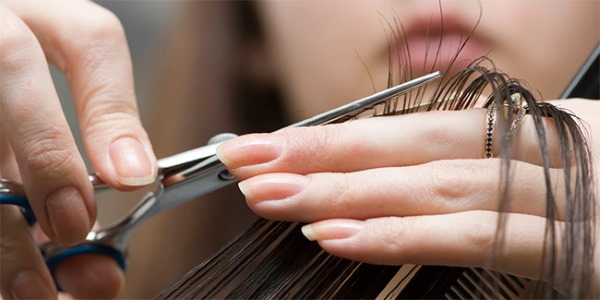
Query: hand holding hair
x=412, y=188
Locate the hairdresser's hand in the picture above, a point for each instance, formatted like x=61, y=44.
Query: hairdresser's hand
x=87, y=44
x=405, y=189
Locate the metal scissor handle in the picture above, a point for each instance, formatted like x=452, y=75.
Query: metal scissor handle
x=182, y=177
x=171, y=191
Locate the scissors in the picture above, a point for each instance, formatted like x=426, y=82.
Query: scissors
x=181, y=178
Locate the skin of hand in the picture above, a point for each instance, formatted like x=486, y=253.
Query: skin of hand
x=422, y=196
x=87, y=43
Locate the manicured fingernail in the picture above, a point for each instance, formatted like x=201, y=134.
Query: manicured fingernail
x=68, y=215
x=250, y=150
x=332, y=229
x=272, y=187
x=29, y=284
x=131, y=162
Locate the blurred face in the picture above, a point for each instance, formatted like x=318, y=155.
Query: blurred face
x=314, y=45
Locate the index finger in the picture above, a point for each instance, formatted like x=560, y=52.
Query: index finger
x=88, y=44
x=373, y=143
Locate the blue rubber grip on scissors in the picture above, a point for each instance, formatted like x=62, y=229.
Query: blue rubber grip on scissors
x=23, y=204
x=29, y=216
x=73, y=251
x=115, y=254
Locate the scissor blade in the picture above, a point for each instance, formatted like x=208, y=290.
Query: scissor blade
x=210, y=174
x=186, y=159
x=355, y=108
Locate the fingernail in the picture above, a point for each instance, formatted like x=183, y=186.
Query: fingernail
x=131, y=162
x=68, y=215
x=272, y=187
x=332, y=229
x=29, y=284
x=250, y=150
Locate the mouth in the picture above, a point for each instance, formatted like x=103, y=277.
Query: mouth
x=429, y=44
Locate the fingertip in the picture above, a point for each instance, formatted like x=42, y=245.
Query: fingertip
x=308, y=232
x=90, y=276
x=223, y=155
x=336, y=229
x=68, y=215
x=251, y=150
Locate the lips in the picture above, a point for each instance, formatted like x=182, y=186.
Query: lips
x=433, y=44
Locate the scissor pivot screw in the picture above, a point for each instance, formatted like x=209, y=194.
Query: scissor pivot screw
x=226, y=176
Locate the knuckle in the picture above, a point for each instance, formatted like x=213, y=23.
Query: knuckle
x=439, y=141
x=49, y=151
x=478, y=234
x=306, y=144
x=101, y=25
x=15, y=41
x=396, y=235
x=338, y=194
x=105, y=115
x=101, y=33
x=451, y=181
